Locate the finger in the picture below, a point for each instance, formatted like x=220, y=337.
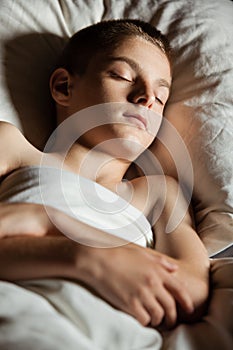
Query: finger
x=166, y=262
x=168, y=304
x=171, y=267
x=137, y=310
x=154, y=309
x=180, y=294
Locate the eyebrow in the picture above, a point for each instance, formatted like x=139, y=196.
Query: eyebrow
x=135, y=66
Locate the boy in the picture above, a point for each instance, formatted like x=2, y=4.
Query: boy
x=123, y=62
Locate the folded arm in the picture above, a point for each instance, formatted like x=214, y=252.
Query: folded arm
x=182, y=243
x=131, y=278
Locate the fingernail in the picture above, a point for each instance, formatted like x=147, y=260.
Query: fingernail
x=191, y=309
x=170, y=265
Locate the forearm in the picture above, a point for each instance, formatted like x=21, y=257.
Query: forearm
x=179, y=239
x=33, y=245
x=183, y=244
x=115, y=274
x=27, y=257
x=193, y=269
x=26, y=248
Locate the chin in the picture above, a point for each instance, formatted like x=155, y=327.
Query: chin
x=129, y=148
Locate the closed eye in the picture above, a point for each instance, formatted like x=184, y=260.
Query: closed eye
x=120, y=77
x=159, y=101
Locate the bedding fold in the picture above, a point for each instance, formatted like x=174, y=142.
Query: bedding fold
x=78, y=197
x=59, y=314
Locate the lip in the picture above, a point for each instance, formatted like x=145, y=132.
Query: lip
x=138, y=117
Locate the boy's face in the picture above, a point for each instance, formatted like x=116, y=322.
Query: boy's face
x=136, y=72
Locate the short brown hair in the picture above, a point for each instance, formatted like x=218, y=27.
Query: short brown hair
x=105, y=36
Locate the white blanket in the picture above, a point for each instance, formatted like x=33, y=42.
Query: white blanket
x=78, y=197
x=56, y=314
x=200, y=107
x=59, y=314
x=32, y=34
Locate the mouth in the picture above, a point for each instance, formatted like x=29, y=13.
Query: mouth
x=141, y=122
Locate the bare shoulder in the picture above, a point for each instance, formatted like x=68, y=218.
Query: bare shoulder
x=10, y=137
x=6, y=127
x=15, y=150
x=147, y=191
x=151, y=191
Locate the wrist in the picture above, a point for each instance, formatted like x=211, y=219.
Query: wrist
x=84, y=263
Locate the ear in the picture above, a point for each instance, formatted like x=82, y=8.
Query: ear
x=60, y=82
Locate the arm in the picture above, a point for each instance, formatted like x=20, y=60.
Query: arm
x=134, y=280
x=184, y=245
x=121, y=274
x=15, y=150
x=10, y=147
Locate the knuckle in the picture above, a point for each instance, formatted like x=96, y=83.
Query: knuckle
x=157, y=316
x=181, y=291
x=144, y=319
x=149, y=280
x=158, y=257
x=161, y=260
x=132, y=304
x=153, y=278
x=170, y=304
x=136, y=310
x=141, y=292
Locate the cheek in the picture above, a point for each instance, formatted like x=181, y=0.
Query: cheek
x=98, y=92
x=106, y=89
x=112, y=92
x=158, y=109
x=101, y=91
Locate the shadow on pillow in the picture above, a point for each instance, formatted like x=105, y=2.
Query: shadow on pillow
x=29, y=60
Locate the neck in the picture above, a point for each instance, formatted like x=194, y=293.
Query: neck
x=96, y=165
x=105, y=163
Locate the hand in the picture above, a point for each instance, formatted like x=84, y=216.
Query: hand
x=140, y=282
x=198, y=289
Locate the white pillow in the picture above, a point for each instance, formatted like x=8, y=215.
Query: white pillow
x=32, y=33
x=201, y=109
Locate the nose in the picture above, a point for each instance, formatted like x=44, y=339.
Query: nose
x=143, y=96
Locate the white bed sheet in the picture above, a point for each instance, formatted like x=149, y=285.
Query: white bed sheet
x=200, y=107
x=201, y=102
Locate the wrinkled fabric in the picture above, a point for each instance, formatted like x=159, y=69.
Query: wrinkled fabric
x=200, y=107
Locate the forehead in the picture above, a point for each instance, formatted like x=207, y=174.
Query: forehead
x=146, y=55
